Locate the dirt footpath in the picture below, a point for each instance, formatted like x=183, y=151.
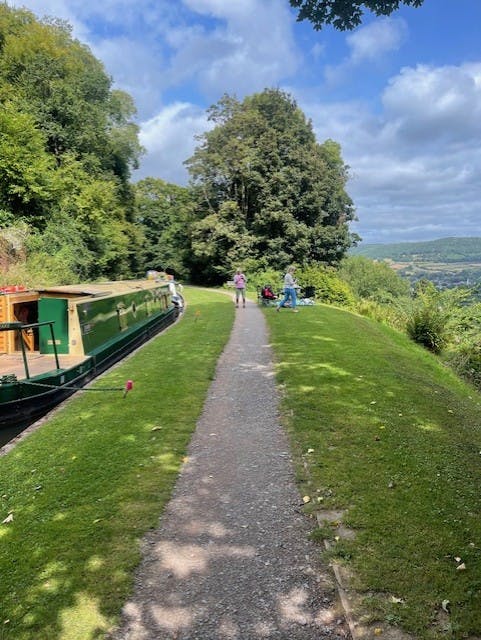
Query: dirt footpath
x=231, y=558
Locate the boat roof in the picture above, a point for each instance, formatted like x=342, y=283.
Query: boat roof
x=101, y=288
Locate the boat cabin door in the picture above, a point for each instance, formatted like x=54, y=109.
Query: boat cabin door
x=27, y=313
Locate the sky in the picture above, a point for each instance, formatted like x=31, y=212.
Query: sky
x=400, y=94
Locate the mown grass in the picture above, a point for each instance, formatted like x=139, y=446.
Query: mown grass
x=84, y=488
x=388, y=437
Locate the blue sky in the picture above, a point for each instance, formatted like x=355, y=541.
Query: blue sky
x=402, y=95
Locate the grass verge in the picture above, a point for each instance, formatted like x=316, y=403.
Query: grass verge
x=388, y=442
x=79, y=493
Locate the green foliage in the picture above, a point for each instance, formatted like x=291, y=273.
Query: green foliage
x=25, y=166
x=345, y=14
x=427, y=326
x=163, y=213
x=67, y=145
x=265, y=190
x=393, y=314
x=431, y=312
x=463, y=352
x=373, y=280
x=329, y=288
x=258, y=279
x=465, y=359
x=219, y=244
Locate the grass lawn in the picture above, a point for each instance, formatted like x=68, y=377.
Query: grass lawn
x=79, y=493
x=390, y=441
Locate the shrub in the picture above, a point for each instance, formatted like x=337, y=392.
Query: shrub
x=373, y=280
x=327, y=284
x=427, y=326
x=394, y=315
x=465, y=359
x=258, y=279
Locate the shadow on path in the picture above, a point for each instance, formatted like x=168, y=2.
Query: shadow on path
x=232, y=558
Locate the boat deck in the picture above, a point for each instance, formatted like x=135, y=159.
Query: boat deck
x=37, y=363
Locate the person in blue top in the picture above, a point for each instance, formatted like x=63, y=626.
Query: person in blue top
x=240, y=288
x=290, y=293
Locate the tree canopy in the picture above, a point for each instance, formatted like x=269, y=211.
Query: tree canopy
x=263, y=193
x=67, y=147
x=265, y=190
x=163, y=213
x=345, y=14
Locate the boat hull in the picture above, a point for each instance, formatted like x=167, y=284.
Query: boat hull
x=23, y=402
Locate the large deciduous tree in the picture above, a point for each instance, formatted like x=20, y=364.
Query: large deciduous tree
x=345, y=14
x=266, y=192
x=67, y=148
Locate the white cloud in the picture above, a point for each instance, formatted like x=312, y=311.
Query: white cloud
x=208, y=47
x=169, y=139
x=248, y=48
x=369, y=44
x=414, y=148
x=416, y=166
x=376, y=39
x=436, y=104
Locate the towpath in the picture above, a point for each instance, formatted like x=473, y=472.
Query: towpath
x=231, y=558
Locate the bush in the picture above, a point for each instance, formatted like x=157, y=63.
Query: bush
x=328, y=286
x=427, y=326
x=394, y=315
x=260, y=278
x=373, y=280
x=465, y=359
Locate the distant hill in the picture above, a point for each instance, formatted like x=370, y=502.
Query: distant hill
x=445, y=250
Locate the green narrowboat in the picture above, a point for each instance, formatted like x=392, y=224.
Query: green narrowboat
x=54, y=340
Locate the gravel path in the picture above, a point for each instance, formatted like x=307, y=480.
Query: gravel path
x=232, y=559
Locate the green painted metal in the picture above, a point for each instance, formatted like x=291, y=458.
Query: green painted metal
x=53, y=310
x=103, y=320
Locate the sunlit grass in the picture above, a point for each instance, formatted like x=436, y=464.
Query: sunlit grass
x=85, y=488
x=386, y=436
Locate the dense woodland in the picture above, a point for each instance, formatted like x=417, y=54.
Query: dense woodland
x=263, y=191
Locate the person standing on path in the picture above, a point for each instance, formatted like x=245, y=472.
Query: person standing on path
x=240, y=288
x=289, y=290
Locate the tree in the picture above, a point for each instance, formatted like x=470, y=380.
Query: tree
x=67, y=147
x=25, y=167
x=372, y=279
x=265, y=190
x=345, y=14
x=163, y=214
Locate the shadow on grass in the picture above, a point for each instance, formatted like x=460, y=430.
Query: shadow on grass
x=79, y=493
x=387, y=435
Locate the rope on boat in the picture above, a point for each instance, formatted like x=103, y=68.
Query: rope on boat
x=128, y=386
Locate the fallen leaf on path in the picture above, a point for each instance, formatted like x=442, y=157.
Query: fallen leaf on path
x=8, y=519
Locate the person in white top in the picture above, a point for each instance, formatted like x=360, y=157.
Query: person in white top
x=289, y=290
